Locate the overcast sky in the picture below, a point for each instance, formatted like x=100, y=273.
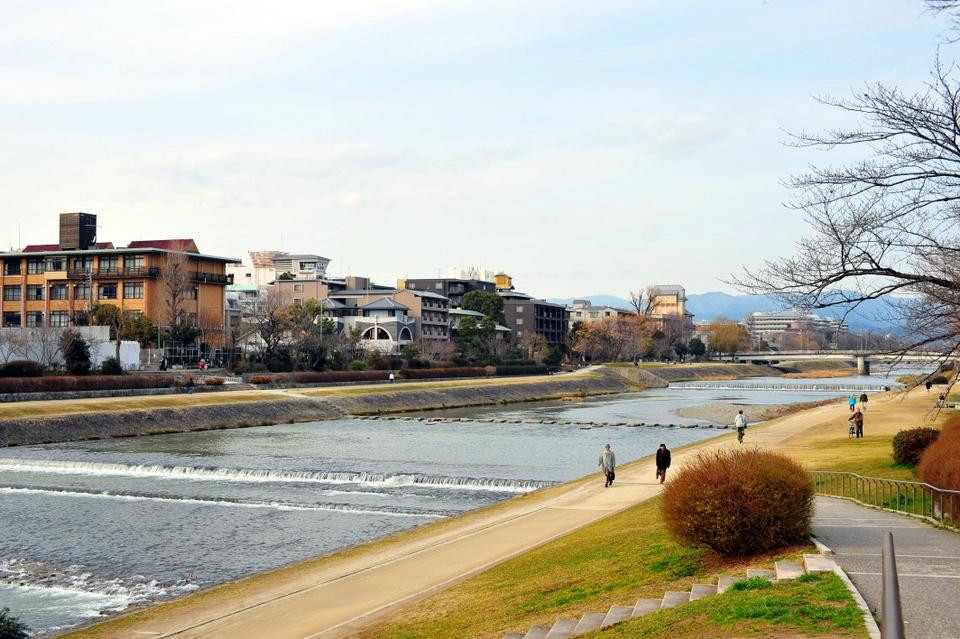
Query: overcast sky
x=583, y=147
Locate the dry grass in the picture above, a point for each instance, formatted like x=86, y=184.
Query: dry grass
x=839, y=372
x=14, y=410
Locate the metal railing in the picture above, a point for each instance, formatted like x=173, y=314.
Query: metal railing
x=891, y=614
x=938, y=505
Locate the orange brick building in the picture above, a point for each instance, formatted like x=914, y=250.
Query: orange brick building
x=55, y=284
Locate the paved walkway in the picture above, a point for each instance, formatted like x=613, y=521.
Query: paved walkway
x=928, y=562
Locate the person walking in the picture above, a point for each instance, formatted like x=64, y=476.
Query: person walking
x=663, y=462
x=741, y=423
x=608, y=464
x=392, y=378
x=857, y=419
x=852, y=403
x=928, y=385
x=863, y=402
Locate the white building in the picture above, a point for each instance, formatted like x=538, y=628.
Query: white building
x=761, y=325
x=266, y=266
x=584, y=311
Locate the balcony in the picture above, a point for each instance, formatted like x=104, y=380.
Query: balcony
x=211, y=278
x=139, y=272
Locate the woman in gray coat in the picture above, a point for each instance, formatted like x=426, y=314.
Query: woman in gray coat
x=608, y=464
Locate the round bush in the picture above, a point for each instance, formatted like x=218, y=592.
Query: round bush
x=909, y=444
x=111, y=366
x=739, y=502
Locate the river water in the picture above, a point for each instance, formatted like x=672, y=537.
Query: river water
x=89, y=528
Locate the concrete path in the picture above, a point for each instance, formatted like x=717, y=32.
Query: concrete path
x=928, y=562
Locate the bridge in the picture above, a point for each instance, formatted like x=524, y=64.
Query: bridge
x=861, y=357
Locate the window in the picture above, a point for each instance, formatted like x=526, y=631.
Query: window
x=83, y=264
x=133, y=262
x=81, y=291
x=59, y=318
x=11, y=294
x=34, y=292
x=56, y=263
x=34, y=318
x=298, y=301
x=11, y=267
x=11, y=319
x=108, y=264
x=298, y=288
x=519, y=333
x=133, y=290
x=58, y=292
x=190, y=293
x=519, y=321
x=519, y=309
x=34, y=266
x=107, y=292
x=438, y=286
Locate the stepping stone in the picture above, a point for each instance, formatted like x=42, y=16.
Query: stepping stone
x=722, y=426
x=646, y=606
x=585, y=428
x=724, y=583
x=816, y=564
x=588, y=622
x=706, y=425
x=763, y=573
x=537, y=632
x=699, y=591
x=562, y=629
x=787, y=570
x=616, y=614
x=674, y=598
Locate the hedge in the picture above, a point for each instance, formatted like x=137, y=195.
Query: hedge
x=21, y=368
x=436, y=373
x=909, y=444
x=525, y=369
x=66, y=383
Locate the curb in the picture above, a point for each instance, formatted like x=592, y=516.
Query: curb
x=868, y=620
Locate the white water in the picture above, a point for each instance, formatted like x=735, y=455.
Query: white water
x=200, y=473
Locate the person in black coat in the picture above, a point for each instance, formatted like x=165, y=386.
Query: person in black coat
x=663, y=462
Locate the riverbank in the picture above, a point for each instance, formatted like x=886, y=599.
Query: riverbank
x=60, y=421
x=353, y=591
x=726, y=412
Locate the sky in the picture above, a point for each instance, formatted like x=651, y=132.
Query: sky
x=582, y=147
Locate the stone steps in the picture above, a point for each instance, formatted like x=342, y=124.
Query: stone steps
x=567, y=628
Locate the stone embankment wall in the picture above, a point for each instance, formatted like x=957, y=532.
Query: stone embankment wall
x=692, y=372
x=130, y=423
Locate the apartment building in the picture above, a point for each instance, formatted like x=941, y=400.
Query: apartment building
x=762, y=325
x=452, y=288
x=668, y=311
x=55, y=284
x=267, y=266
x=586, y=312
x=525, y=314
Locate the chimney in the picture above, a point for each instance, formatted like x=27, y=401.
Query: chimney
x=78, y=231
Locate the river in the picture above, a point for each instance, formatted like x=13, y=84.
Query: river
x=89, y=528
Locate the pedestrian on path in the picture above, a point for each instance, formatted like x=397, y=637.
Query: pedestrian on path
x=741, y=423
x=863, y=402
x=928, y=385
x=608, y=464
x=663, y=462
x=392, y=378
x=857, y=420
x=852, y=402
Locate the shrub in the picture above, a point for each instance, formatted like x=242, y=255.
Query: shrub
x=111, y=366
x=76, y=352
x=63, y=383
x=358, y=365
x=940, y=462
x=739, y=502
x=21, y=368
x=261, y=379
x=435, y=373
x=11, y=627
x=909, y=444
x=213, y=381
x=524, y=369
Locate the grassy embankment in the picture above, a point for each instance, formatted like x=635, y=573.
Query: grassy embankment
x=615, y=561
x=823, y=374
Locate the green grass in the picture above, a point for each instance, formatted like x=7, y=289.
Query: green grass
x=614, y=561
x=813, y=605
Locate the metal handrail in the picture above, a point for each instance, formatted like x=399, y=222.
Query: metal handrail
x=891, y=614
x=919, y=499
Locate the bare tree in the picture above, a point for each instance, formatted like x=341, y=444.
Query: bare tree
x=271, y=321
x=642, y=301
x=887, y=226
x=176, y=283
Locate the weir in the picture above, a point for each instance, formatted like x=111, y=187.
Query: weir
x=822, y=388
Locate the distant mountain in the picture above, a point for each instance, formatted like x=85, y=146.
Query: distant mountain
x=708, y=306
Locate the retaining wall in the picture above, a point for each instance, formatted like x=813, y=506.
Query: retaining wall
x=130, y=423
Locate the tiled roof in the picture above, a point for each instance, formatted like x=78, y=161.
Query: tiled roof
x=385, y=303
x=40, y=248
x=169, y=245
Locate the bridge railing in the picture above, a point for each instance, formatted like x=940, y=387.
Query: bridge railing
x=920, y=499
